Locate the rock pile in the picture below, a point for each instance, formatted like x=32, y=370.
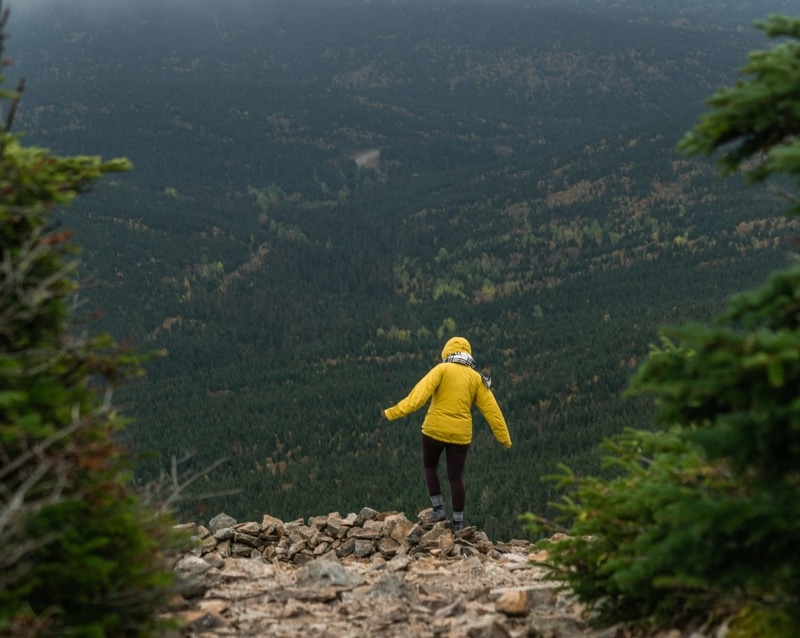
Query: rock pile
x=366, y=574
x=364, y=535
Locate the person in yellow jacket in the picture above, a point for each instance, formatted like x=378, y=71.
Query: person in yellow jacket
x=452, y=387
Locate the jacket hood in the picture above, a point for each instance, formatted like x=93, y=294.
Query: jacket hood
x=456, y=344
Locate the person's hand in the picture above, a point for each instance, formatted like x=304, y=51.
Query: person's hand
x=382, y=415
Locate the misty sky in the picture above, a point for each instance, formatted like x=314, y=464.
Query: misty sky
x=751, y=7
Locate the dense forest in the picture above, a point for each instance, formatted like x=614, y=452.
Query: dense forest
x=320, y=199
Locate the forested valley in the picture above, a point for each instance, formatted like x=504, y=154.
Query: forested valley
x=323, y=193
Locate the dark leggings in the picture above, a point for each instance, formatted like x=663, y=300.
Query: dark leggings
x=456, y=460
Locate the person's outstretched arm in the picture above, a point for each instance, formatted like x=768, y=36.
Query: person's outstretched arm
x=419, y=395
x=487, y=404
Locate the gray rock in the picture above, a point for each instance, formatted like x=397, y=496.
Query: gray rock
x=392, y=586
x=221, y=521
x=192, y=581
x=366, y=514
x=323, y=573
x=224, y=533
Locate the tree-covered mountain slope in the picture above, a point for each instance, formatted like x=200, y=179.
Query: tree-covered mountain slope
x=287, y=93
x=528, y=196
x=287, y=331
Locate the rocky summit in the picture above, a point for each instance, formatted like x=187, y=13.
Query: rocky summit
x=367, y=574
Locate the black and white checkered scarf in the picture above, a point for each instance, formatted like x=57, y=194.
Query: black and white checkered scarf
x=465, y=359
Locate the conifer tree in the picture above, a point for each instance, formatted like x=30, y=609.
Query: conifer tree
x=701, y=524
x=80, y=555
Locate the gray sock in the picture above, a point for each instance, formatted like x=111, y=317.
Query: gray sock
x=438, y=503
x=458, y=520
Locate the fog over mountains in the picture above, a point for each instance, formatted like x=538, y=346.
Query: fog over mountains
x=726, y=10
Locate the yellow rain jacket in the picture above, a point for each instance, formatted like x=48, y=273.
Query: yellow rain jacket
x=452, y=389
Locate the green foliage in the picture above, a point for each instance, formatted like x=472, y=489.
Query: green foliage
x=757, y=119
x=701, y=521
x=79, y=553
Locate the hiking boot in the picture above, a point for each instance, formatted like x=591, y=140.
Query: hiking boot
x=431, y=516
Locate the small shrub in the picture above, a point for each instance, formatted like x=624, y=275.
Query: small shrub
x=80, y=555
